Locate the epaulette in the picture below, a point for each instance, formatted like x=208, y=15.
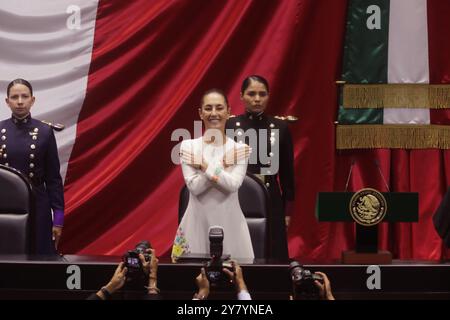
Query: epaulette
x=287, y=118
x=54, y=126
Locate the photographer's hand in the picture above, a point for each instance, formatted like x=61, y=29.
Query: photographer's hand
x=117, y=281
x=151, y=269
x=237, y=277
x=325, y=288
x=202, y=283
x=145, y=264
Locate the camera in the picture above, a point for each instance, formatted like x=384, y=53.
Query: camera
x=136, y=277
x=214, y=272
x=303, y=284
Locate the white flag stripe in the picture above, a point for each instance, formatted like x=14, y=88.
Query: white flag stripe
x=50, y=44
x=407, y=55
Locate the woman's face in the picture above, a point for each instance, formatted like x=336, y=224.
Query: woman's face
x=255, y=97
x=20, y=100
x=214, y=111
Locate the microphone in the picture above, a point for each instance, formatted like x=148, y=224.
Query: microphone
x=377, y=163
x=349, y=174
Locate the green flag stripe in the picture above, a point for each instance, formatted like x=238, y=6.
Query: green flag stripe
x=365, y=54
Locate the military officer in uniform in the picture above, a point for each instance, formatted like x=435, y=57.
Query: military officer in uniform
x=272, y=159
x=29, y=146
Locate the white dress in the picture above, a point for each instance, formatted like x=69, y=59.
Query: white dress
x=213, y=201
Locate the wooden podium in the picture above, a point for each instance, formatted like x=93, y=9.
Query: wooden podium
x=336, y=207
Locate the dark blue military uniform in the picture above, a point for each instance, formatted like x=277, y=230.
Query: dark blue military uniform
x=280, y=184
x=30, y=147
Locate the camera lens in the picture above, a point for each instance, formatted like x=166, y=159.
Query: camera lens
x=303, y=284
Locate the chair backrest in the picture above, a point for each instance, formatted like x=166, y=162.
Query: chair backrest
x=441, y=219
x=254, y=202
x=16, y=212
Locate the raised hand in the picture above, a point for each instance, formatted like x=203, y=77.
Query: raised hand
x=193, y=160
x=235, y=155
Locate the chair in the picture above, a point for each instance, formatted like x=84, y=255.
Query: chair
x=16, y=212
x=254, y=202
x=441, y=219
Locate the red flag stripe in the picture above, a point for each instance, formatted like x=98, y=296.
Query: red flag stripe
x=439, y=52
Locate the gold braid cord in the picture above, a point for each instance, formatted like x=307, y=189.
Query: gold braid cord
x=367, y=136
x=394, y=95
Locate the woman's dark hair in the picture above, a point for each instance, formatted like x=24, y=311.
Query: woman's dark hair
x=19, y=81
x=256, y=78
x=218, y=91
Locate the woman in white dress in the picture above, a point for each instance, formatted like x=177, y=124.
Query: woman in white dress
x=214, y=167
